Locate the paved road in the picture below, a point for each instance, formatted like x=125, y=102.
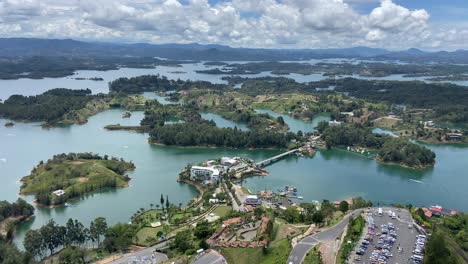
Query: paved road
x=213, y=257
x=235, y=206
x=146, y=256
x=300, y=250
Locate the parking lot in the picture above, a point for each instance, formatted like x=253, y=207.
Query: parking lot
x=389, y=238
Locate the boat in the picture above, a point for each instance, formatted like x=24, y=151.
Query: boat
x=300, y=197
x=68, y=205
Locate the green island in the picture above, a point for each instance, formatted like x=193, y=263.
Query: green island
x=38, y=67
x=365, y=69
x=68, y=176
x=61, y=107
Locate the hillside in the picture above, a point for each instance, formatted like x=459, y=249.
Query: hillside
x=76, y=175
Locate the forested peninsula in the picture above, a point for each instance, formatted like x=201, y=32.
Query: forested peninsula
x=61, y=107
x=67, y=176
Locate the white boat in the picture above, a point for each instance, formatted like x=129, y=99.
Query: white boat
x=300, y=197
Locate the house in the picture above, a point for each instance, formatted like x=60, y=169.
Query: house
x=334, y=123
x=210, y=174
x=232, y=221
x=437, y=210
x=427, y=212
x=249, y=208
x=59, y=192
x=429, y=123
x=252, y=200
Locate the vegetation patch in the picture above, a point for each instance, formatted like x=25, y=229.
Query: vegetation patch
x=67, y=176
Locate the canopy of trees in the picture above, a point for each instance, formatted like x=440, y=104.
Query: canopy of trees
x=205, y=133
x=149, y=83
x=18, y=208
x=397, y=150
x=50, y=106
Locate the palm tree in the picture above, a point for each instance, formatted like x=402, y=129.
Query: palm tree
x=151, y=205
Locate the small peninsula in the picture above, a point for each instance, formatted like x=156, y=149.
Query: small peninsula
x=73, y=175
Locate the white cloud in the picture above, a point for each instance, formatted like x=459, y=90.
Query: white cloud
x=261, y=23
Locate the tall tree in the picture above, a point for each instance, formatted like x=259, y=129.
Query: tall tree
x=52, y=235
x=98, y=229
x=33, y=243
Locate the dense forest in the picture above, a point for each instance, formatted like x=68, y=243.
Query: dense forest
x=391, y=150
x=401, y=151
x=15, y=209
x=449, y=240
x=350, y=135
x=206, y=133
x=76, y=174
x=447, y=100
x=152, y=83
x=51, y=106
x=11, y=214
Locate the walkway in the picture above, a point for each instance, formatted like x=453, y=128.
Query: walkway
x=299, y=251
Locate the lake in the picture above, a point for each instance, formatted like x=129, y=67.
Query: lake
x=186, y=72
x=329, y=175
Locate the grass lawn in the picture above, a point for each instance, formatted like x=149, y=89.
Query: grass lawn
x=312, y=256
x=147, y=232
x=337, y=216
x=277, y=253
x=180, y=215
x=222, y=210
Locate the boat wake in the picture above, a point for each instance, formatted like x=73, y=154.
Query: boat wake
x=3, y=160
x=416, y=181
x=125, y=147
x=11, y=135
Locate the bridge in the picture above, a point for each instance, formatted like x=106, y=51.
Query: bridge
x=275, y=158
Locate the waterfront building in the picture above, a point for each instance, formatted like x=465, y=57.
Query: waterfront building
x=252, y=200
x=205, y=174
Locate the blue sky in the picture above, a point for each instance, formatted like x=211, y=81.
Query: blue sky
x=390, y=24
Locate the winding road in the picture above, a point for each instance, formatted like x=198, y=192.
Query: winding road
x=300, y=250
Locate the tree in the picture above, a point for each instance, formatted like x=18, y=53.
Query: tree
x=98, y=229
x=258, y=212
x=437, y=251
x=317, y=217
x=72, y=256
x=33, y=243
x=119, y=237
x=167, y=202
x=344, y=206
x=52, y=235
x=182, y=241
x=162, y=201
x=203, y=230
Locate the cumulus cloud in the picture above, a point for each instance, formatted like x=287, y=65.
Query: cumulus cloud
x=261, y=23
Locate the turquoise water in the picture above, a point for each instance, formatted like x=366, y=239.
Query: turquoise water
x=223, y=122
x=296, y=124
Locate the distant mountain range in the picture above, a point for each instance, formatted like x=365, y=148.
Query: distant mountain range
x=14, y=47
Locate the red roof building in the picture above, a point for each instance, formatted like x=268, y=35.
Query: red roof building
x=427, y=212
x=232, y=221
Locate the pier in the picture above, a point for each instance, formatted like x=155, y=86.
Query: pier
x=275, y=158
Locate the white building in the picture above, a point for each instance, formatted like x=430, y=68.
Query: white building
x=198, y=173
x=226, y=161
x=59, y=192
x=334, y=123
